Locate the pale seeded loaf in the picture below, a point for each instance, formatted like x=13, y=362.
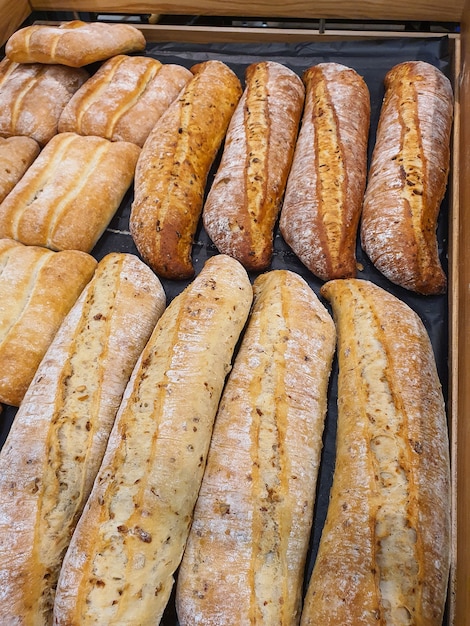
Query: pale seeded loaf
x=56, y=443
x=323, y=201
x=384, y=553
x=245, y=557
x=120, y=564
x=38, y=288
x=16, y=155
x=124, y=99
x=245, y=198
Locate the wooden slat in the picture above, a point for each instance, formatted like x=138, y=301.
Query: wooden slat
x=13, y=13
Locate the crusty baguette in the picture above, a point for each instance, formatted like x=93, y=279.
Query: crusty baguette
x=324, y=193
x=32, y=98
x=172, y=169
x=57, y=441
x=408, y=177
x=384, y=553
x=16, y=155
x=245, y=198
x=130, y=539
x=68, y=196
x=245, y=556
x=38, y=288
x=124, y=99
x=75, y=43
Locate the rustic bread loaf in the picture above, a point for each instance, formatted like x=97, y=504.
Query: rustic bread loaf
x=245, y=198
x=32, y=98
x=38, y=288
x=68, y=196
x=16, y=155
x=172, y=169
x=245, y=556
x=58, y=437
x=408, y=177
x=384, y=553
x=130, y=539
x=75, y=43
x=323, y=201
x=124, y=99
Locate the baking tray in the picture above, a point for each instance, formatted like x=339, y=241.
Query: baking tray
x=371, y=58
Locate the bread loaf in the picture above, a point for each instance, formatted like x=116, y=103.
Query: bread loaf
x=124, y=99
x=408, y=177
x=172, y=169
x=129, y=541
x=323, y=201
x=56, y=443
x=68, y=196
x=75, y=43
x=245, y=198
x=16, y=155
x=38, y=288
x=245, y=556
x=32, y=98
x=384, y=553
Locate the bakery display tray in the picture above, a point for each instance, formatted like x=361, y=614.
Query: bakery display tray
x=371, y=59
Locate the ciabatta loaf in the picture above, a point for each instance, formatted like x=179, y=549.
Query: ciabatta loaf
x=384, y=553
x=408, y=177
x=75, y=43
x=324, y=194
x=245, y=198
x=16, y=155
x=245, y=556
x=32, y=98
x=68, y=196
x=38, y=288
x=57, y=441
x=120, y=564
x=172, y=170
x=124, y=99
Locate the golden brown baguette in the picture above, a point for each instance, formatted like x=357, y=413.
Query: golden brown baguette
x=75, y=43
x=124, y=99
x=57, y=441
x=324, y=193
x=245, y=198
x=408, y=177
x=130, y=539
x=245, y=556
x=172, y=169
x=68, y=196
x=384, y=553
x=38, y=288
x=16, y=155
x=32, y=98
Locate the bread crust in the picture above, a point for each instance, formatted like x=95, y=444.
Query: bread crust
x=74, y=44
x=245, y=556
x=16, y=155
x=323, y=201
x=408, y=177
x=244, y=200
x=120, y=564
x=384, y=553
x=172, y=170
x=57, y=441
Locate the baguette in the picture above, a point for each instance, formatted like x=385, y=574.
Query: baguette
x=323, y=201
x=172, y=169
x=68, y=196
x=245, y=556
x=124, y=99
x=408, y=177
x=130, y=539
x=56, y=443
x=38, y=288
x=384, y=553
x=16, y=155
x=245, y=198
x=75, y=43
